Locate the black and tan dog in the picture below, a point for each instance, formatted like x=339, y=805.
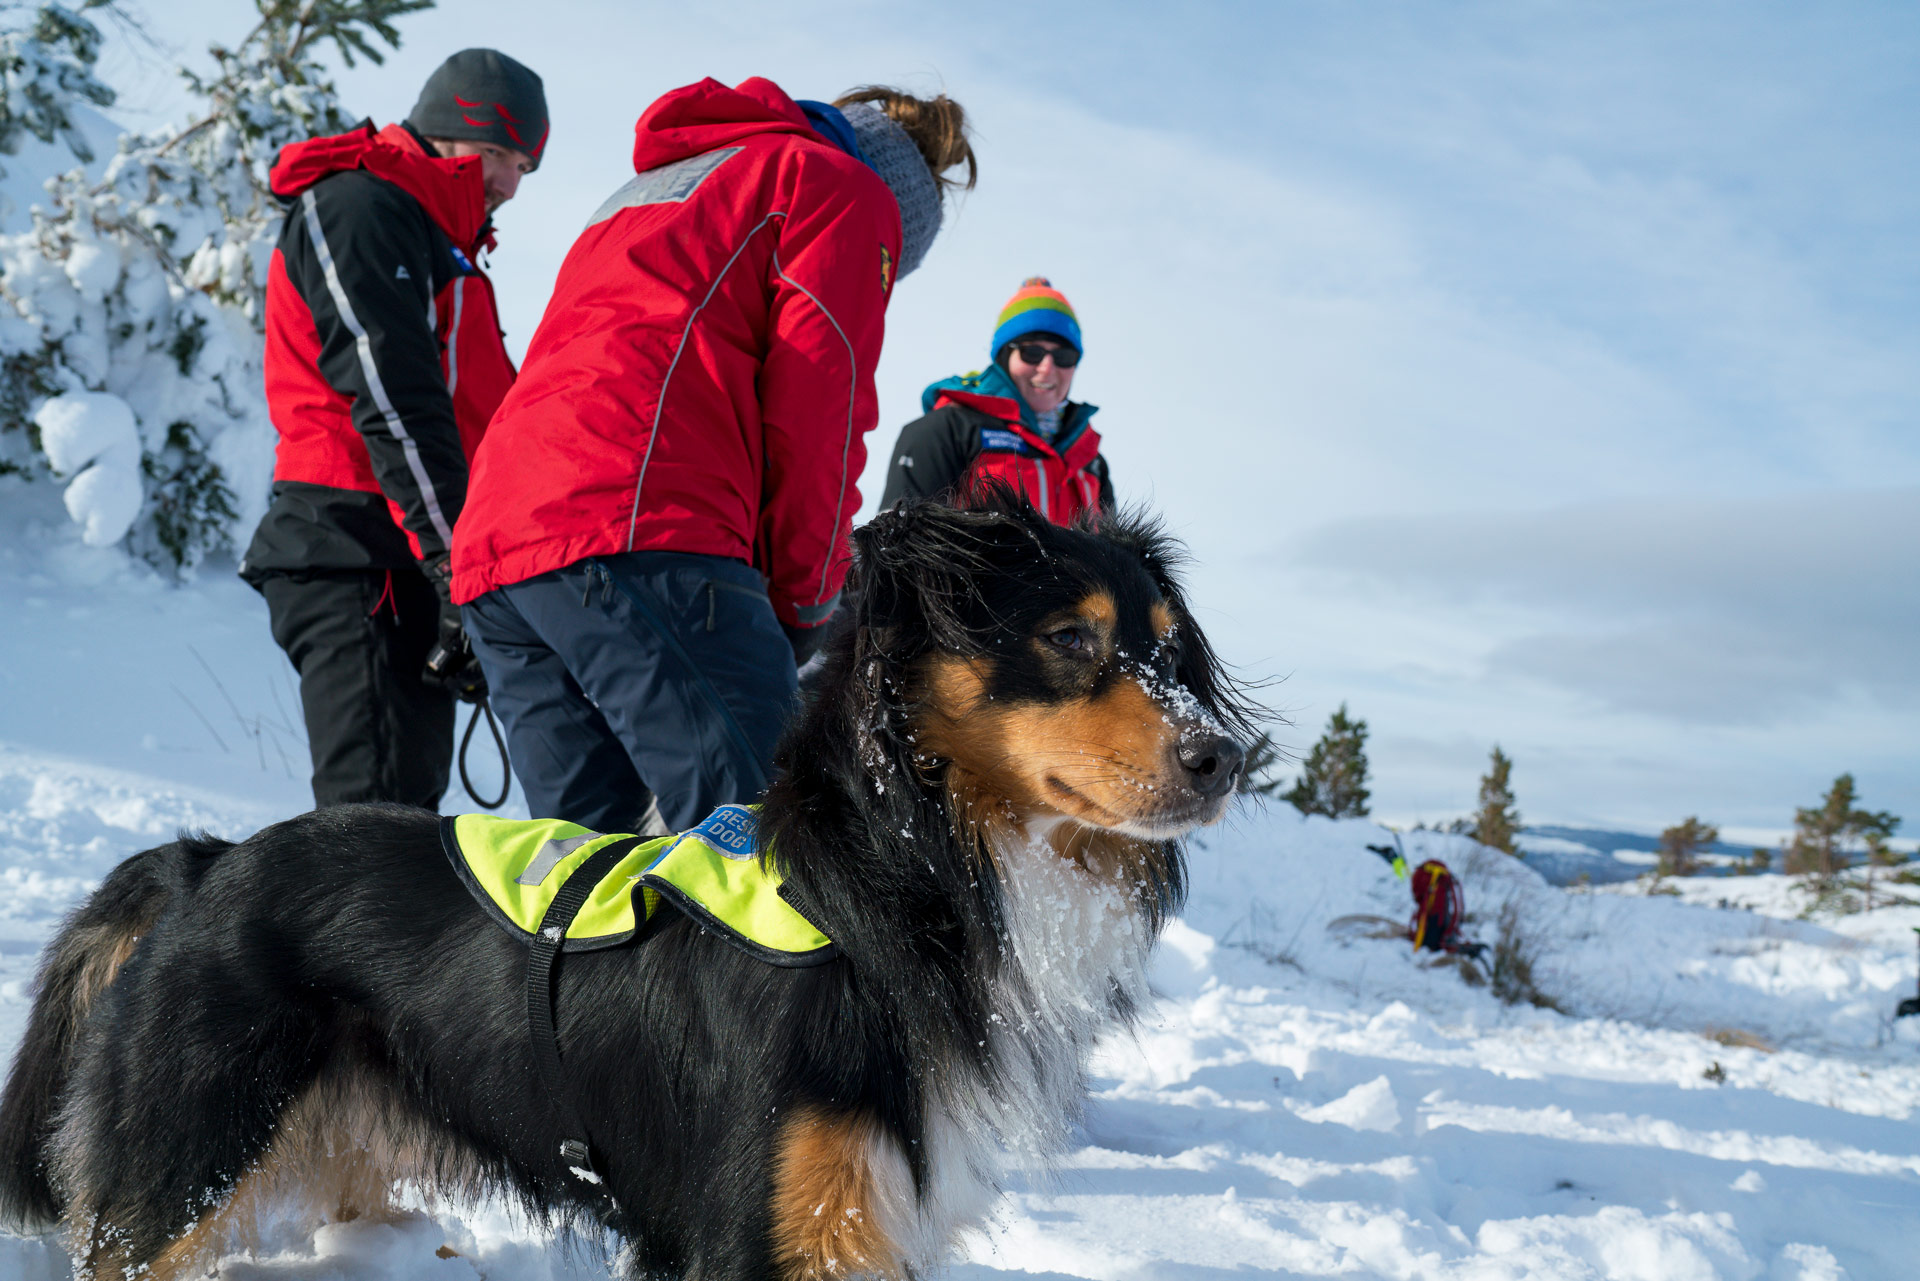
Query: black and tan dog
x=980, y=804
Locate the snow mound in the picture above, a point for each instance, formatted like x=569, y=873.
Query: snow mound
x=95, y=434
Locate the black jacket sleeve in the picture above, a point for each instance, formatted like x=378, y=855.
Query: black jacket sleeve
x=362, y=253
x=1099, y=469
x=932, y=454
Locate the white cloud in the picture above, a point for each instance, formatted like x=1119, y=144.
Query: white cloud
x=1709, y=611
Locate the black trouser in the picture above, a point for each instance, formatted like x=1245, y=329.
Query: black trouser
x=650, y=669
x=359, y=639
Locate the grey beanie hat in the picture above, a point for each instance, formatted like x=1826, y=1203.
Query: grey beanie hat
x=485, y=96
x=900, y=165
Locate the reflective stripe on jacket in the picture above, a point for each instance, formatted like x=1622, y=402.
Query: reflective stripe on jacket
x=702, y=380
x=384, y=357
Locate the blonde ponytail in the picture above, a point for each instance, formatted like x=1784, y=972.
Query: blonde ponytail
x=937, y=125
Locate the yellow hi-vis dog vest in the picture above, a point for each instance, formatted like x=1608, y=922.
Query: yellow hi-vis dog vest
x=715, y=873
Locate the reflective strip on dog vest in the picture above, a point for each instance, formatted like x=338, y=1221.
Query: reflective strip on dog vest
x=715, y=873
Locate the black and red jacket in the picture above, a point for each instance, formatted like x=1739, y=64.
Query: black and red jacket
x=384, y=358
x=977, y=429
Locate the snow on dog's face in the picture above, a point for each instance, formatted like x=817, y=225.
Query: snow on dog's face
x=1055, y=673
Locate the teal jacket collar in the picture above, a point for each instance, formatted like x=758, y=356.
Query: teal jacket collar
x=994, y=384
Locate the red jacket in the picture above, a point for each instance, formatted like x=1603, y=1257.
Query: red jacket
x=702, y=380
x=377, y=412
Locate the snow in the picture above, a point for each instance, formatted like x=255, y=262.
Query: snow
x=94, y=434
x=1725, y=1095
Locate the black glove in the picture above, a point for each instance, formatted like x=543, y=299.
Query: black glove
x=450, y=663
x=805, y=641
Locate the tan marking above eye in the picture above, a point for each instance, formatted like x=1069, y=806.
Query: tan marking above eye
x=1098, y=608
x=1163, y=620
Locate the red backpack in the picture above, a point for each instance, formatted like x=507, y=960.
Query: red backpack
x=1438, y=908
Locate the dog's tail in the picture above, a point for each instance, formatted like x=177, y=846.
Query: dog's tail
x=81, y=961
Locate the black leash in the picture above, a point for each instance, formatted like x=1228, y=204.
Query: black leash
x=542, y=961
x=506, y=766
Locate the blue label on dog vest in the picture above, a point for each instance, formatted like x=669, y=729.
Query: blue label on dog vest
x=466, y=263
x=1006, y=441
x=734, y=830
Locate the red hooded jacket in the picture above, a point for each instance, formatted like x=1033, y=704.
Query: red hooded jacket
x=377, y=412
x=703, y=377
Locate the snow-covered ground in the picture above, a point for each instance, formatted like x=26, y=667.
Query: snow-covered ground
x=1725, y=1095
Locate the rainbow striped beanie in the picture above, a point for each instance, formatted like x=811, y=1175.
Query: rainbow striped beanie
x=1037, y=308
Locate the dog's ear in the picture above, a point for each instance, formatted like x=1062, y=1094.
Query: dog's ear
x=921, y=577
x=886, y=595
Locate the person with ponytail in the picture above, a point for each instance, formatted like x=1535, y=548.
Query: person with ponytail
x=655, y=530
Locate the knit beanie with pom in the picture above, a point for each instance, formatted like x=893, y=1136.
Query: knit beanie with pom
x=1036, y=308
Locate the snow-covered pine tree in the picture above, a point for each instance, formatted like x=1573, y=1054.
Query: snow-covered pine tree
x=132, y=345
x=46, y=65
x=1333, y=779
x=47, y=57
x=1496, y=822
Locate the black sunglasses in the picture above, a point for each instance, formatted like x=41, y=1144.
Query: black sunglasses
x=1064, y=357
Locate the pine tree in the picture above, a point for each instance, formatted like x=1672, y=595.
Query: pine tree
x=1496, y=822
x=133, y=343
x=45, y=67
x=1333, y=779
x=1680, y=846
x=1824, y=836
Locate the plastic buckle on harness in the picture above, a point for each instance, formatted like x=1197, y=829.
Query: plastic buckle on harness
x=578, y=1160
x=580, y=1166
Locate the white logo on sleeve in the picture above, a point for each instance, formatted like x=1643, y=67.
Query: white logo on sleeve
x=402, y=273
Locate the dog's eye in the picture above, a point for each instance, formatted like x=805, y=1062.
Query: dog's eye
x=1165, y=659
x=1068, y=638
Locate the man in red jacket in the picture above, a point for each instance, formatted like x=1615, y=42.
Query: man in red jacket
x=384, y=363
x=657, y=522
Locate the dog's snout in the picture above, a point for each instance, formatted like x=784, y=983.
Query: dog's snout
x=1212, y=761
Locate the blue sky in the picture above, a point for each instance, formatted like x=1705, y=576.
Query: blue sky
x=1540, y=373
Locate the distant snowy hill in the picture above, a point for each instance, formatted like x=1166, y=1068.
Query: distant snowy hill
x=1725, y=1095
x=1565, y=855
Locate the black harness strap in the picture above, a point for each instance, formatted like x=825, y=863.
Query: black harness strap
x=542, y=960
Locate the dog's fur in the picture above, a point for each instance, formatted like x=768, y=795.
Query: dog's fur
x=980, y=804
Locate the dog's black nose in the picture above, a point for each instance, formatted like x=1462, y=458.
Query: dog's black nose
x=1212, y=761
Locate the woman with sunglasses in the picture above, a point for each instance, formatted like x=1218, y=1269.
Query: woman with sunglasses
x=1011, y=422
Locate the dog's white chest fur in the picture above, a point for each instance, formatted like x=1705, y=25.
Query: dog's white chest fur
x=1079, y=946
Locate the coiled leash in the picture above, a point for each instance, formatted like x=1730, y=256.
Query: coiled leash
x=542, y=960
x=482, y=707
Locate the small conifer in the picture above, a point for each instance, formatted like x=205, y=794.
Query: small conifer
x=1824, y=835
x=1680, y=846
x=1333, y=779
x=1496, y=822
